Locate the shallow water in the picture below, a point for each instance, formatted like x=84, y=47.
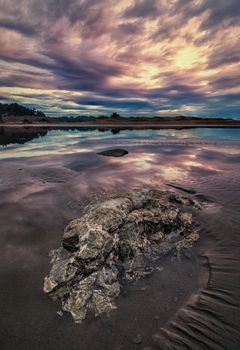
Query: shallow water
x=46, y=180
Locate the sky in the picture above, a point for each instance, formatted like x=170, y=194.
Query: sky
x=142, y=57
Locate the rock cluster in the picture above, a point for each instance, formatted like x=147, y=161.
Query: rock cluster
x=116, y=240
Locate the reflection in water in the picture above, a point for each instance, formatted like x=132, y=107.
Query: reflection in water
x=20, y=135
x=34, y=141
x=189, y=304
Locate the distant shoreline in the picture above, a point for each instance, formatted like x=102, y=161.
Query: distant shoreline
x=138, y=125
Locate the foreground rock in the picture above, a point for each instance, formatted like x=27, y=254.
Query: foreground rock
x=114, y=153
x=116, y=240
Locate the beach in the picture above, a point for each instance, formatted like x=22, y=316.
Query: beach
x=48, y=180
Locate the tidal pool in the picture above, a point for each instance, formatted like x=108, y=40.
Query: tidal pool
x=47, y=177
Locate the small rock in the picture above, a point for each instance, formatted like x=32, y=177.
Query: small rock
x=138, y=339
x=60, y=313
x=160, y=268
x=114, y=153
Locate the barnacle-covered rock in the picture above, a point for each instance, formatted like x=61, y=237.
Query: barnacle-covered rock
x=119, y=238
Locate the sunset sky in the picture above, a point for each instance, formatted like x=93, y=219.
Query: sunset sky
x=143, y=57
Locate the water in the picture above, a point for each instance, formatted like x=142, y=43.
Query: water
x=32, y=141
x=47, y=177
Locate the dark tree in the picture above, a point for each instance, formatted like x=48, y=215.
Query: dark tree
x=115, y=116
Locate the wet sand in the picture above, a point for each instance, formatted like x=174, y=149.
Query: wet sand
x=192, y=303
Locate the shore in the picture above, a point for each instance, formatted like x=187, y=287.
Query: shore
x=139, y=125
x=42, y=190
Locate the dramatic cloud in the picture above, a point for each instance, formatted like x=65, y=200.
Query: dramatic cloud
x=143, y=8
x=144, y=57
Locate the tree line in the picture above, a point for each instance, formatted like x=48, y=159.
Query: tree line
x=14, y=109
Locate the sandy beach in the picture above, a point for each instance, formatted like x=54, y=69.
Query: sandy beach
x=47, y=181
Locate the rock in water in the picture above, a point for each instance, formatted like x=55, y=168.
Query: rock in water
x=118, y=239
x=114, y=152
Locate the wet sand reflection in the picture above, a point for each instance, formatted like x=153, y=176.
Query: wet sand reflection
x=41, y=193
